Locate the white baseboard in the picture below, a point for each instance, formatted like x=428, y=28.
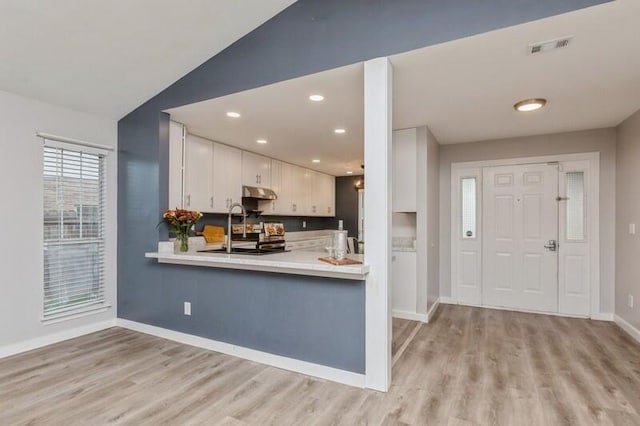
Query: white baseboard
x=29, y=345
x=628, y=328
x=603, y=317
x=411, y=316
x=433, y=309
x=448, y=300
x=298, y=366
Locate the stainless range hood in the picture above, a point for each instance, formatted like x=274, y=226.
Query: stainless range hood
x=258, y=193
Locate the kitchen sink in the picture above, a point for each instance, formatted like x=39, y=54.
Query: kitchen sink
x=246, y=250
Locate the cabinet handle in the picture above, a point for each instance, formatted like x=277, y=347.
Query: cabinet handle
x=257, y=179
x=189, y=200
x=211, y=202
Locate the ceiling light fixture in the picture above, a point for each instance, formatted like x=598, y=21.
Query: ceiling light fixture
x=529, y=105
x=349, y=172
x=340, y=131
x=315, y=160
x=233, y=114
x=262, y=141
x=316, y=98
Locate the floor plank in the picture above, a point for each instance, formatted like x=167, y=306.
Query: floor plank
x=469, y=366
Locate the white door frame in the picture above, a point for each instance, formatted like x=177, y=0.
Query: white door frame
x=474, y=169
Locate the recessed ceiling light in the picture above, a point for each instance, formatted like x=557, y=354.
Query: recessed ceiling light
x=316, y=98
x=233, y=114
x=262, y=141
x=340, y=131
x=529, y=105
x=315, y=160
x=349, y=172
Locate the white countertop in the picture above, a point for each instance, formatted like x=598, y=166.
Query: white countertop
x=293, y=262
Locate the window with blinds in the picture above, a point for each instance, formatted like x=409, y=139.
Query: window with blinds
x=74, y=236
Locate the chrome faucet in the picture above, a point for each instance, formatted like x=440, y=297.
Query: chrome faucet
x=244, y=224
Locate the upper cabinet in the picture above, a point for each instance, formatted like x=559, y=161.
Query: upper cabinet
x=227, y=177
x=404, y=174
x=256, y=170
x=293, y=192
x=208, y=176
x=280, y=205
x=322, y=201
x=198, y=182
x=176, y=164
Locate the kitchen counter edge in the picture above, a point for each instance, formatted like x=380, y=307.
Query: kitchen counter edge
x=296, y=262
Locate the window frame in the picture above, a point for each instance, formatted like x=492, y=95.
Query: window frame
x=100, y=304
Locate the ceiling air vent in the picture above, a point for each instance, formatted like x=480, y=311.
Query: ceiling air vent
x=547, y=46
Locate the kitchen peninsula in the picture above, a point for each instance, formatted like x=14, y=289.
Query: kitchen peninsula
x=297, y=262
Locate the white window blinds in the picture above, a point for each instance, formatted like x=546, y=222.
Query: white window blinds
x=74, y=238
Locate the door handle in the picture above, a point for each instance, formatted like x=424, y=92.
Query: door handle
x=552, y=245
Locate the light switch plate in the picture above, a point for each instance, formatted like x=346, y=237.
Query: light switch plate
x=632, y=229
x=187, y=308
x=630, y=300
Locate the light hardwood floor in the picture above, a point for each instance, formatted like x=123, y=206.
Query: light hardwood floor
x=469, y=366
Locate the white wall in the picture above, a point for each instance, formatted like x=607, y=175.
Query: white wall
x=21, y=259
x=601, y=140
x=628, y=211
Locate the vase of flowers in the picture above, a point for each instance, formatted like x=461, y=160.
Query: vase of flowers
x=181, y=223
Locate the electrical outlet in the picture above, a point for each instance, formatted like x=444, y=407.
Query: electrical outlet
x=187, y=308
x=630, y=300
x=304, y=224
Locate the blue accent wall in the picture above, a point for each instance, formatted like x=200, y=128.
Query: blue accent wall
x=317, y=320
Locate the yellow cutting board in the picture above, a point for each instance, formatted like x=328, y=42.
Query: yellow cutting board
x=213, y=234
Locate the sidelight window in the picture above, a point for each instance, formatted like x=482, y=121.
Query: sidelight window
x=469, y=208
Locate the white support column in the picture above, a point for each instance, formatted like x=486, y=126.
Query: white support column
x=377, y=223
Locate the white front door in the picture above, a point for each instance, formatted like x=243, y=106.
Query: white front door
x=520, y=227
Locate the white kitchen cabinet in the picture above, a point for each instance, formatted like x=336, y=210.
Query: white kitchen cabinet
x=313, y=181
x=294, y=190
x=404, y=281
x=176, y=164
x=198, y=174
x=278, y=206
x=321, y=200
x=227, y=177
x=327, y=194
x=256, y=170
x=404, y=176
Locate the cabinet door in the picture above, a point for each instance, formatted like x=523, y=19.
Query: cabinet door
x=176, y=164
x=315, y=197
x=227, y=177
x=293, y=187
x=404, y=279
x=256, y=170
x=331, y=197
x=304, y=191
x=278, y=206
x=326, y=195
x=198, y=174
x=404, y=170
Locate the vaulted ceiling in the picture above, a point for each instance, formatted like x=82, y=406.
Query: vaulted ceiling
x=108, y=57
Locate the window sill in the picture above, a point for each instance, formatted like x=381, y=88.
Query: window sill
x=66, y=316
